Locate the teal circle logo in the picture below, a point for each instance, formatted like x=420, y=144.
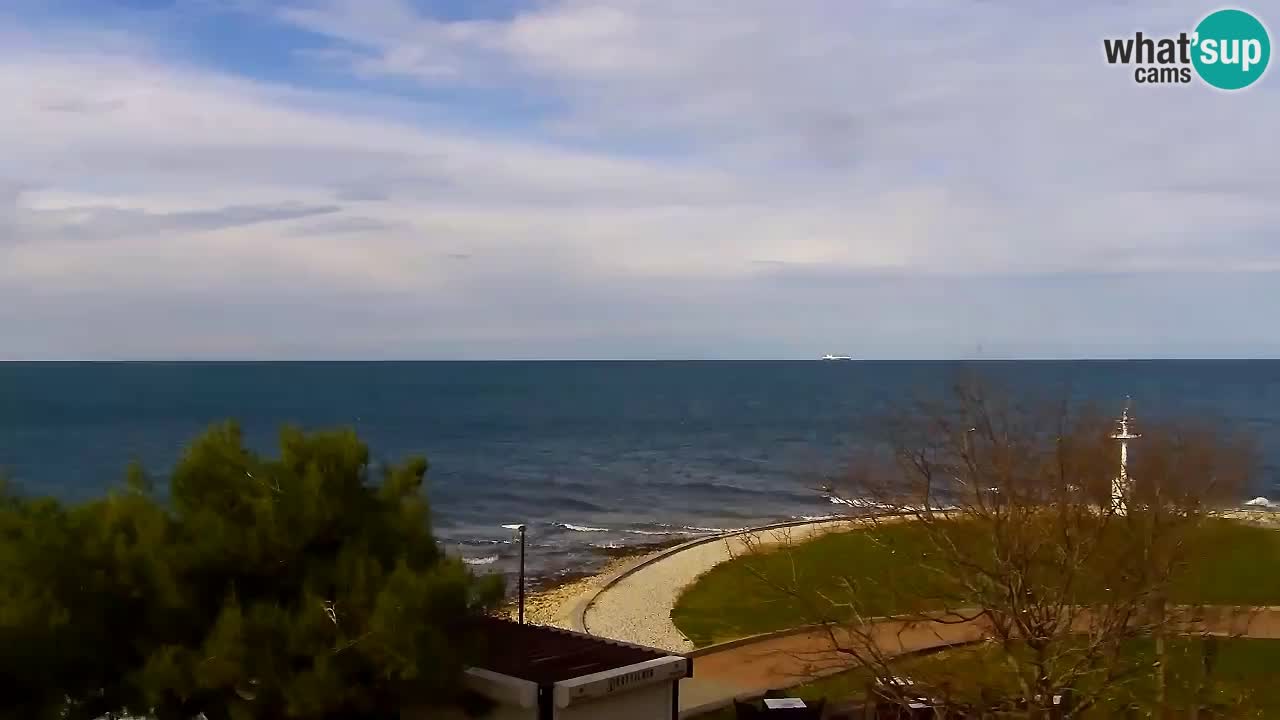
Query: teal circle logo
x=1232, y=49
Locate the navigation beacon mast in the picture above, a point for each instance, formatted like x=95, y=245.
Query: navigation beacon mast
x=1120, y=486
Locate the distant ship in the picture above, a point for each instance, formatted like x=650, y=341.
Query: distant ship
x=836, y=357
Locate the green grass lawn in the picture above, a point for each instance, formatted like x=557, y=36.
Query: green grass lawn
x=1245, y=676
x=1229, y=563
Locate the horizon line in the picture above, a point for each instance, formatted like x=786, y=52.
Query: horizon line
x=121, y=361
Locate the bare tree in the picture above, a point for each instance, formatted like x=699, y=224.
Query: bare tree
x=1015, y=538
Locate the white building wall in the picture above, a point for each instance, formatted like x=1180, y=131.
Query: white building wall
x=643, y=691
x=646, y=703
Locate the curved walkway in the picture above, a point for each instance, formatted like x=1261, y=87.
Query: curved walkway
x=746, y=668
x=635, y=605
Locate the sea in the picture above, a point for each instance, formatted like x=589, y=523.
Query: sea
x=593, y=457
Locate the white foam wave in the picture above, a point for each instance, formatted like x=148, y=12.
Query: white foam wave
x=712, y=529
x=892, y=507
x=481, y=561
x=855, y=502
x=813, y=518
x=581, y=528
x=658, y=532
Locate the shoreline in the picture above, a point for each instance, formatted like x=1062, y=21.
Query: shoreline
x=546, y=601
x=551, y=601
x=637, y=607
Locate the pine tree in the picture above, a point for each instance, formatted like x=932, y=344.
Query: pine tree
x=288, y=587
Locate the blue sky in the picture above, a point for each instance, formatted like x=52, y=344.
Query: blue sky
x=624, y=179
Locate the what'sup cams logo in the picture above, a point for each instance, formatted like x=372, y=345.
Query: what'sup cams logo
x=1229, y=50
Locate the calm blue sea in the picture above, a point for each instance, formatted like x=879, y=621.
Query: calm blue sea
x=591, y=454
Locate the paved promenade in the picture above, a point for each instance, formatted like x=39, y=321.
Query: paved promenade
x=637, y=606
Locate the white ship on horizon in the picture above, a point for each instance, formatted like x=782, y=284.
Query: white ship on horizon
x=829, y=356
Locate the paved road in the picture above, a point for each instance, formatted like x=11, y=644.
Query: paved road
x=745, y=669
x=748, y=669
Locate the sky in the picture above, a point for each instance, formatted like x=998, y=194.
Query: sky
x=541, y=179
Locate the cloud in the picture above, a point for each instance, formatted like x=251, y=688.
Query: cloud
x=359, y=192
x=832, y=97
x=82, y=106
x=94, y=222
x=625, y=178
x=344, y=225
x=91, y=222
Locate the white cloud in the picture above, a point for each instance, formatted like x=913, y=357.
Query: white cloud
x=689, y=160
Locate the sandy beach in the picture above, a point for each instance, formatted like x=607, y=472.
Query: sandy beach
x=556, y=604
x=552, y=604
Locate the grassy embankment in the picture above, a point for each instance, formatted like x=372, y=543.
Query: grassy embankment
x=1229, y=563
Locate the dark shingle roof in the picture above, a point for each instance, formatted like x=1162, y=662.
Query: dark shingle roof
x=542, y=654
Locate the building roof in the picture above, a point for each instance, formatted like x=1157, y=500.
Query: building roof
x=542, y=654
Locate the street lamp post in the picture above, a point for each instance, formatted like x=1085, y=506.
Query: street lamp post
x=520, y=528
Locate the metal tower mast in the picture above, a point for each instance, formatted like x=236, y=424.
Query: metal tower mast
x=1120, y=486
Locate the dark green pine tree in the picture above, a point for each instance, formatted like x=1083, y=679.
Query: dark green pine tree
x=289, y=587
x=76, y=587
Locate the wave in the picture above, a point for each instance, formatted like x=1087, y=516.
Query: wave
x=856, y=502
x=481, y=561
x=581, y=528
x=690, y=530
x=720, y=488
x=538, y=495
x=813, y=518
x=572, y=503
x=686, y=530
x=865, y=504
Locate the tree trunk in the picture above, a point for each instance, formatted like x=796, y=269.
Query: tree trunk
x=1161, y=660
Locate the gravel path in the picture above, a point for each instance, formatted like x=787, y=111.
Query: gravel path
x=637, y=609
